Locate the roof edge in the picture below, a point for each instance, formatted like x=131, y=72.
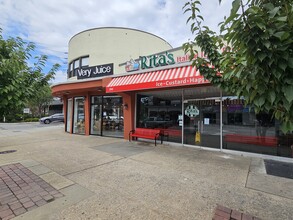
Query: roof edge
x=133, y=29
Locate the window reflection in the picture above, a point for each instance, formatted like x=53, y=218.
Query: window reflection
x=78, y=122
x=164, y=113
x=107, y=116
x=247, y=131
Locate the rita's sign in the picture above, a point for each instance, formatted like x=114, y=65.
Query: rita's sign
x=95, y=71
x=147, y=62
x=152, y=61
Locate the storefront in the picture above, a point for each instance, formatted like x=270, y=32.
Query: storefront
x=158, y=89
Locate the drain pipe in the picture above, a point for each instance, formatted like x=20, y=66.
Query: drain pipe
x=182, y=110
x=221, y=121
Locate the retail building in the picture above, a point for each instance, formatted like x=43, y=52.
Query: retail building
x=120, y=79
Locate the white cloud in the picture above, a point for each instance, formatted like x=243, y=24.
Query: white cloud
x=61, y=76
x=51, y=24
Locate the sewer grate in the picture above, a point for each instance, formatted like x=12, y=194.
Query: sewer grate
x=7, y=151
x=278, y=168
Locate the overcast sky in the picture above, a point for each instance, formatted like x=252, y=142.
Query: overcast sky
x=51, y=23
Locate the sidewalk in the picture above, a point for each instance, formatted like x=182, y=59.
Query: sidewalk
x=110, y=178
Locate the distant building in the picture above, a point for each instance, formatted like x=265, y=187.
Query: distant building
x=56, y=106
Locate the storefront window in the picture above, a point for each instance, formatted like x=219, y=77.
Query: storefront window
x=112, y=116
x=69, y=115
x=78, y=122
x=161, y=110
x=96, y=115
x=245, y=130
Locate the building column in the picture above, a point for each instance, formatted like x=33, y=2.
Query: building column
x=129, y=112
x=87, y=112
x=64, y=98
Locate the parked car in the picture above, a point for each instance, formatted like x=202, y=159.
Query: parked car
x=157, y=122
x=56, y=117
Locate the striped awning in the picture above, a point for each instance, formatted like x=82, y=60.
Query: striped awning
x=172, y=77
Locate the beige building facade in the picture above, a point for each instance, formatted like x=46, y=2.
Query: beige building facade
x=121, y=79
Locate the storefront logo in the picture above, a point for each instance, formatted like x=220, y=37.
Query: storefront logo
x=191, y=111
x=131, y=65
x=147, y=62
x=95, y=71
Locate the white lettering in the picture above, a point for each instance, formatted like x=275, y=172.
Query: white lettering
x=159, y=84
x=84, y=72
x=102, y=69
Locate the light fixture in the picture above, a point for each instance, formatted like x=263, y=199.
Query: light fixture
x=125, y=106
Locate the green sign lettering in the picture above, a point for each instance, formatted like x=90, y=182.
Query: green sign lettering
x=152, y=61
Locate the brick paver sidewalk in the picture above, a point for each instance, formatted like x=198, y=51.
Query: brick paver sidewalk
x=224, y=213
x=21, y=190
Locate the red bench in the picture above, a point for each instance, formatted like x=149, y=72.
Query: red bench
x=153, y=134
x=256, y=140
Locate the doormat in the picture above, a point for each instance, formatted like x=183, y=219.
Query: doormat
x=278, y=168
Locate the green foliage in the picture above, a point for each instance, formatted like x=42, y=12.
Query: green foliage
x=31, y=120
x=253, y=56
x=20, y=82
x=40, y=100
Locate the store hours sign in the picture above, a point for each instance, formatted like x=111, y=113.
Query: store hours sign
x=95, y=71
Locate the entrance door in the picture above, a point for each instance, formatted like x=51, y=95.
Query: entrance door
x=113, y=120
x=202, y=117
x=202, y=123
x=69, y=115
x=78, y=122
x=96, y=115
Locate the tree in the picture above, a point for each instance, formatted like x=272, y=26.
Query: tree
x=40, y=100
x=253, y=55
x=20, y=82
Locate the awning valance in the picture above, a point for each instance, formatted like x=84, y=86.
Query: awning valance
x=178, y=76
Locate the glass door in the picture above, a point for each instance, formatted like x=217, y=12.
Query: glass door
x=79, y=127
x=96, y=115
x=113, y=120
x=202, y=117
x=69, y=115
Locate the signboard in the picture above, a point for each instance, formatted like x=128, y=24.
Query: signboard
x=95, y=71
x=131, y=65
x=191, y=111
x=206, y=121
x=152, y=61
x=26, y=111
x=156, y=60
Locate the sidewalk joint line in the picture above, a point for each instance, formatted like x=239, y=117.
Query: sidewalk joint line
x=268, y=193
x=94, y=166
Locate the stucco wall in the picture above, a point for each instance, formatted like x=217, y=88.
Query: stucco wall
x=114, y=45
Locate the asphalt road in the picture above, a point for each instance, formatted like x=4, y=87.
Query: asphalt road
x=25, y=126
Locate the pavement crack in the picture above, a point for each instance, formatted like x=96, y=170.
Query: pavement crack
x=249, y=168
x=93, y=167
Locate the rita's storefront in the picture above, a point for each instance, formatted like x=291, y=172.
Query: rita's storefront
x=165, y=92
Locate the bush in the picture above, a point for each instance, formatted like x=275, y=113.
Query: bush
x=31, y=120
